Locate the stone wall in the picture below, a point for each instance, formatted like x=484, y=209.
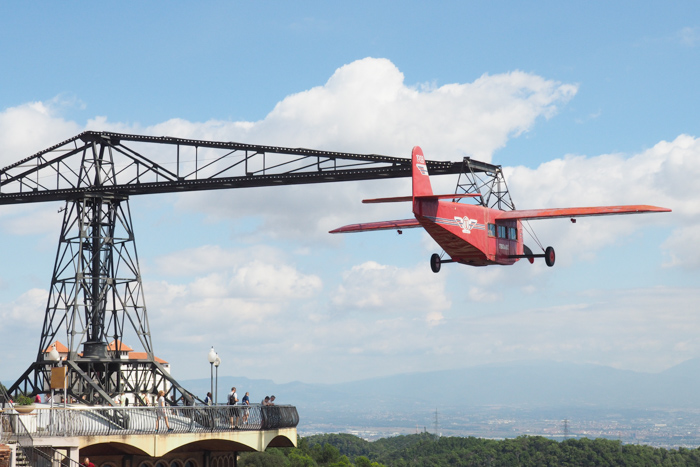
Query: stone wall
x=5, y=453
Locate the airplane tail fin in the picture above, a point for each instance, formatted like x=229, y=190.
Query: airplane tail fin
x=421, y=180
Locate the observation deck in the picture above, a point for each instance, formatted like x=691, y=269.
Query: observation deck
x=199, y=436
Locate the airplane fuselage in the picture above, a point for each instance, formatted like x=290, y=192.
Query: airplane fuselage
x=470, y=234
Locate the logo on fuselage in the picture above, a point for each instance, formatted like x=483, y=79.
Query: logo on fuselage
x=466, y=224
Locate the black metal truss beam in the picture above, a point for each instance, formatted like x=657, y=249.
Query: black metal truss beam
x=99, y=381
x=120, y=168
x=486, y=180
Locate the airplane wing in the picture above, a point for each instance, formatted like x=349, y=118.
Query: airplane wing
x=397, y=199
x=383, y=225
x=579, y=212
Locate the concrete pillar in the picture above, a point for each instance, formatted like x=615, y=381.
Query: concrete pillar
x=74, y=454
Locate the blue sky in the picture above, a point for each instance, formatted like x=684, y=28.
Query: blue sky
x=582, y=103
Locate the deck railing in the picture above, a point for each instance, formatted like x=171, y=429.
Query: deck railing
x=96, y=421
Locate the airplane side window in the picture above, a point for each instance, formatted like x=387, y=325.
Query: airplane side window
x=492, y=230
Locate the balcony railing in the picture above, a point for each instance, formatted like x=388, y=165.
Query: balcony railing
x=105, y=421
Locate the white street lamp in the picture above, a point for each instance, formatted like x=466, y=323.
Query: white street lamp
x=212, y=358
x=53, y=356
x=217, y=362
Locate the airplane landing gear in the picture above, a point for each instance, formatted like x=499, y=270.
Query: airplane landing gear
x=549, y=256
x=435, y=262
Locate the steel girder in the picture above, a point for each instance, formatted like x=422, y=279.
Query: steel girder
x=115, y=164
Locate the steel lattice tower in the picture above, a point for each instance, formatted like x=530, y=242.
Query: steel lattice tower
x=96, y=286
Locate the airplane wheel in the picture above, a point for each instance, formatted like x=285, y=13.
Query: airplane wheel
x=549, y=256
x=435, y=262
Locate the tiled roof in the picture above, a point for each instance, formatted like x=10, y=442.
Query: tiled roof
x=60, y=348
x=122, y=347
x=143, y=356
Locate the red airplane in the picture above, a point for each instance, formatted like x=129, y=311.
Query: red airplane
x=471, y=234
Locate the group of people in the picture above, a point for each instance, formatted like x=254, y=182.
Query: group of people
x=240, y=414
x=237, y=415
x=56, y=399
x=233, y=399
x=160, y=403
x=145, y=399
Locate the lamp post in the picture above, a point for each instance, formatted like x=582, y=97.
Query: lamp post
x=54, y=357
x=217, y=362
x=212, y=358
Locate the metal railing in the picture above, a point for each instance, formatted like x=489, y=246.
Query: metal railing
x=13, y=429
x=54, y=457
x=105, y=421
x=46, y=456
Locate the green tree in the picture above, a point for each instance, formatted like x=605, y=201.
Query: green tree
x=328, y=454
x=342, y=462
x=299, y=459
x=423, y=450
x=274, y=458
x=362, y=461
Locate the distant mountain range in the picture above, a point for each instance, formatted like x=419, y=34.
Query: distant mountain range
x=533, y=384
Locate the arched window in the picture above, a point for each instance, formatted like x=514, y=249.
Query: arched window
x=190, y=463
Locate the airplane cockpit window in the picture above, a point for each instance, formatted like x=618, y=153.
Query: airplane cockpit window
x=492, y=230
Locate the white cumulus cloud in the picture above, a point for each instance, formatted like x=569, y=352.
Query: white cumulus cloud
x=664, y=175
x=391, y=290
x=31, y=127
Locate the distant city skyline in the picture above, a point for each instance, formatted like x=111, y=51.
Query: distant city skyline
x=500, y=401
x=582, y=105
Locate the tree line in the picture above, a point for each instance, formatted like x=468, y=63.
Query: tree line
x=340, y=450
